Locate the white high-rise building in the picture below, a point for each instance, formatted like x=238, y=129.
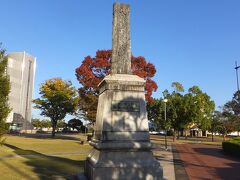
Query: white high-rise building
x=21, y=70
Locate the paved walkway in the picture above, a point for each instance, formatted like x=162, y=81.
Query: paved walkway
x=165, y=157
x=208, y=162
x=195, y=161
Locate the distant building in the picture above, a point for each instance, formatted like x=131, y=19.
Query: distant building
x=21, y=70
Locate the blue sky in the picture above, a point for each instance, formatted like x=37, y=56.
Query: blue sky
x=192, y=42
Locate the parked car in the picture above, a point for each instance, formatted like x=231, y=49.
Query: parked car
x=154, y=132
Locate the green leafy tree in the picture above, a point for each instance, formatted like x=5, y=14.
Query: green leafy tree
x=227, y=124
x=201, y=108
x=4, y=92
x=233, y=107
x=194, y=107
x=224, y=121
x=230, y=119
x=46, y=123
x=156, y=110
x=155, y=113
x=61, y=124
x=175, y=109
x=75, y=124
x=37, y=123
x=215, y=124
x=58, y=98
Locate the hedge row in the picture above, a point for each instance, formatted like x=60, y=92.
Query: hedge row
x=232, y=147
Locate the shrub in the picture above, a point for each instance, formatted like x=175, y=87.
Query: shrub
x=232, y=146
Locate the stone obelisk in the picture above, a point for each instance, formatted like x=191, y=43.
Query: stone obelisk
x=121, y=144
x=121, y=48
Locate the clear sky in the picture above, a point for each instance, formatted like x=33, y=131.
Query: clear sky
x=192, y=42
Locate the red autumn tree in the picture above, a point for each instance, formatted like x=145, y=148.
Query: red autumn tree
x=93, y=69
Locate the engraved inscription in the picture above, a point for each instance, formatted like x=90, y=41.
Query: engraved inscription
x=126, y=106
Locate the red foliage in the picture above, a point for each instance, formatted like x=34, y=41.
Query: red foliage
x=94, y=69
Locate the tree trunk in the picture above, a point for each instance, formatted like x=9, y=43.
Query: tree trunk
x=174, y=135
x=178, y=136
x=212, y=136
x=185, y=134
x=224, y=137
x=53, y=129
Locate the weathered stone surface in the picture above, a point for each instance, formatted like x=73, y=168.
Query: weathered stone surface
x=123, y=165
x=122, y=147
x=121, y=48
x=123, y=144
x=118, y=121
x=123, y=82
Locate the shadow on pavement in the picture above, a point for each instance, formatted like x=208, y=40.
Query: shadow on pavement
x=226, y=166
x=180, y=172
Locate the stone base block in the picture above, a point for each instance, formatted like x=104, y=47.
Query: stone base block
x=120, y=165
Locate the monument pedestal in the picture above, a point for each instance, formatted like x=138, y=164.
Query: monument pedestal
x=122, y=148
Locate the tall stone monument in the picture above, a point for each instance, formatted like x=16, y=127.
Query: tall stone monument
x=121, y=144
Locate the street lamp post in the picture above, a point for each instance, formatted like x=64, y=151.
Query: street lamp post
x=236, y=67
x=165, y=117
x=86, y=124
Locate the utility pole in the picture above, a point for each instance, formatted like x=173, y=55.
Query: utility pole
x=236, y=67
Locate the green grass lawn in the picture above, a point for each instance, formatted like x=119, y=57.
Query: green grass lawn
x=42, y=157
x=203, y=140
x=235, y=140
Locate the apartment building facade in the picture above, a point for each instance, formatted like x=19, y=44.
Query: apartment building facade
x=21, y=70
